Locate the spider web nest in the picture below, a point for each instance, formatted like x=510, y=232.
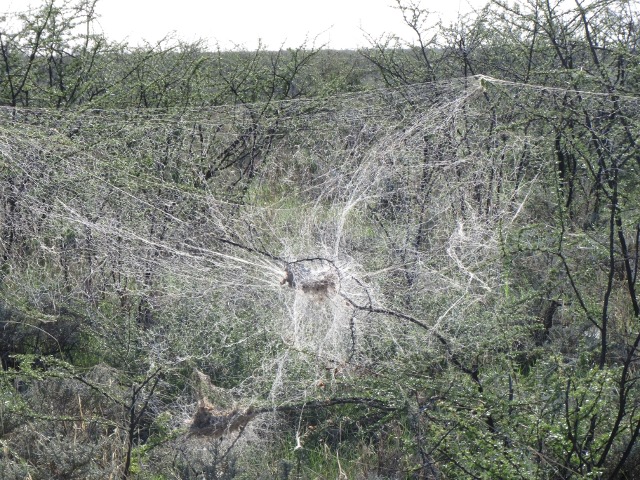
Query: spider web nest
x=217, y=414
x=285, y=225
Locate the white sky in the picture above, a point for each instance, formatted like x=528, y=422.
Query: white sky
x=340, y=23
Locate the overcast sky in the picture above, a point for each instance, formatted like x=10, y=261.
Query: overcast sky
x=340, y=23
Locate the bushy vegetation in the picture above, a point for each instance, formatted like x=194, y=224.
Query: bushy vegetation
x=412, y=261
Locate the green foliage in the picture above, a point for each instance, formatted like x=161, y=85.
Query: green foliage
x=427, y=281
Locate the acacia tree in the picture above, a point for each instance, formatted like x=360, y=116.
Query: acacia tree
x=576, y=308
x=46, y=62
